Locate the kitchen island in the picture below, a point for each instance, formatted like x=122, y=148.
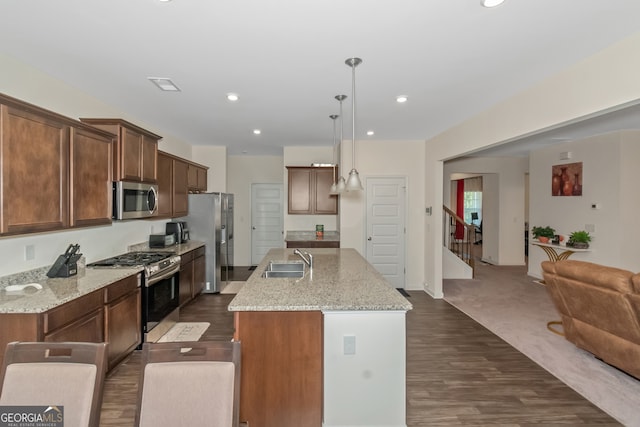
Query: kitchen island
x=327, y=349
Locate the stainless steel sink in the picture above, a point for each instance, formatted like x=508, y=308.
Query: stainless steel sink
x=284, y=269
x=294, y=274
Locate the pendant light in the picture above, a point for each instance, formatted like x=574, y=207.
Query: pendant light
x=353, y=182
x=334, y=186
x=341, y=184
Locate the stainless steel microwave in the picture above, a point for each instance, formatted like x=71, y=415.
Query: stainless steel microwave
x=132, y=200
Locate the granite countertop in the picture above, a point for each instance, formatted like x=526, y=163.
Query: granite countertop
x=56, y=291
x=307, y=236
x=342, y=280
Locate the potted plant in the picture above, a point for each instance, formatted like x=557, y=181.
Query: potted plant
x=579, y=239
x=543, y=234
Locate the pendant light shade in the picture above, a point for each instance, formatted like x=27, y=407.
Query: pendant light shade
x=353, y=182
x=334, y=187
x=341, y=185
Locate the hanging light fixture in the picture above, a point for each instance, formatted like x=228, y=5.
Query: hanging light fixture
x=353, y=182
x=341, y=185
x=334, y=187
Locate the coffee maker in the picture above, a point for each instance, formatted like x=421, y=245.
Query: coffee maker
x=179, y=229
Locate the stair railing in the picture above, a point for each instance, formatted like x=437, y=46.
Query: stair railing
x=458, y=236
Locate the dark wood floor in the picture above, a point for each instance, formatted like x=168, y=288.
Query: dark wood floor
x=458, y=373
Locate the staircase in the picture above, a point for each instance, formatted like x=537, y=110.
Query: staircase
x=458, y=236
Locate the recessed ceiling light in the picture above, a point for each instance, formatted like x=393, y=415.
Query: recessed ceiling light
x=491, y=3
x=402, y=98
x=370, y=133
x=257, y=131
x=232, y=96
x=164, y=84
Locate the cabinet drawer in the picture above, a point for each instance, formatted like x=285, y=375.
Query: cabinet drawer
x=186, y=258
x=121, y=287
x=72, y=311
x=199, y=252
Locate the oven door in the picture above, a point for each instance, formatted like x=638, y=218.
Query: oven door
x=160, y=297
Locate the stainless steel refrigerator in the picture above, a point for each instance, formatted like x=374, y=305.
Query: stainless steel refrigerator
x=210, y=220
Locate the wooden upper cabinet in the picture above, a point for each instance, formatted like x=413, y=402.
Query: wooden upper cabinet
x=309, y=191
x=91, y=178
x=35, y=172
x=165, y=185
x=135, y=151
x=173, y=199
x=197, y=178
x=56, y=171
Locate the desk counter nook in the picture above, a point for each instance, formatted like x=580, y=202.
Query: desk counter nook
x=322, y=349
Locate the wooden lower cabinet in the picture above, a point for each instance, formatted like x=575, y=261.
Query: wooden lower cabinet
x=186, y=278
x=111, y=314
x=199, y=272
x=192, y=275
x=281, y=377
x=122, y=317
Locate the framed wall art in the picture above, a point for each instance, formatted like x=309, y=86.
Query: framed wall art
x=566, y=180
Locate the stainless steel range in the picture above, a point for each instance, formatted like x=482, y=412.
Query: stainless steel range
x=160, y=288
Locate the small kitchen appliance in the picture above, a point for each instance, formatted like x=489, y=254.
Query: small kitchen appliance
x=161, y=240
x=179, y=229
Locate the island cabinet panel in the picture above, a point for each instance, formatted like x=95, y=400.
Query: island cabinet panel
x=309, y=191
x=35, y=172
x=313, y=244
x=91, y=178
x=281, y=378
x=122, y=318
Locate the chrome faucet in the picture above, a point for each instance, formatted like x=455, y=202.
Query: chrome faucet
x=308, y=261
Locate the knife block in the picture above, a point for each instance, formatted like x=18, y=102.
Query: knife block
x=60, y=268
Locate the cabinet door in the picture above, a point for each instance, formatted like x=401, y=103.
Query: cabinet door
x=131, y=160
x=325, y=203
x=186, y=282
x=149, y=159
x=88, y=329
x=165, y=185
x=35, y=172
x=180, y=190
x=202, y=179
x=199, y=274
x=300, y=189
x=123, y=326
x=91, y=166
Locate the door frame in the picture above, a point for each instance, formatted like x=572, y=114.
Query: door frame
x=365, y=223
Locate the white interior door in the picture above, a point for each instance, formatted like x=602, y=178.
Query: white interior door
x=386, y=201
x=267, y=219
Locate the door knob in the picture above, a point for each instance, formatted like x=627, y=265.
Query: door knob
x=253, y=228
x=369, y=239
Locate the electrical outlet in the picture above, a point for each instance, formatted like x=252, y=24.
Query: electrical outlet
x=29, y=252
x=349, y=344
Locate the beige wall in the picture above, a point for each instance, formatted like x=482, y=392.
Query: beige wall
x=599, y=83
x=503, y=210
x=609, y=179
x=243, y=171
x=387, y=159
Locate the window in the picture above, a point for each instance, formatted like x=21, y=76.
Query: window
x=473, y=199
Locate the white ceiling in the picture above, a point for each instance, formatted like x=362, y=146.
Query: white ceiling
x=285, y=59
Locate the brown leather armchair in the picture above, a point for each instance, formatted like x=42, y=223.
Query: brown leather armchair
x=600, y=309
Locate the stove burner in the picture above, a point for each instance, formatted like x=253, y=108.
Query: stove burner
x=132, y=259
